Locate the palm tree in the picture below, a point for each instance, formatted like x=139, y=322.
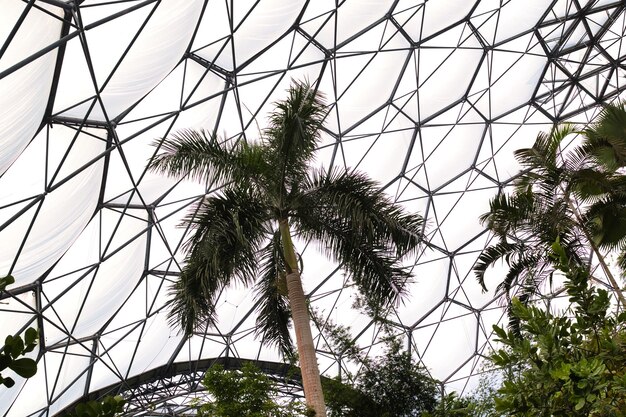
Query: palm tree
x=577, y=199
x=605, y=147
x=271, y=192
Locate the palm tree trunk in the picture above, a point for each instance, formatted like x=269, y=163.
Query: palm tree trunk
x=302, y=325
x=599, y=256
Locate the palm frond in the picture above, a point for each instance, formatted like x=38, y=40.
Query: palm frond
x=589, y=184
x=606, y=138
x=543, y=172
x=373, y=268
x=607, y=222
x=353, y=199
x=192, y=298
x=515, y=323
x=201, y=156
x=543, y=154
x=228, y=229
x=294, y=130
x=492, y=254
x=227, y=232
x=507, y=212
x=523, y=265
x=273, y=304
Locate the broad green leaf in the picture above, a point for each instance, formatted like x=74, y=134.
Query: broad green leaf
x=5, y=360
x=580, y=404
x=6, y=281
x=24, y=367
x=8, y=382
x=30, y=335
x=16, y=347
x=500, y=332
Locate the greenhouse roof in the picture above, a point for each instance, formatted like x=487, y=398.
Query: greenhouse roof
x=430, y=98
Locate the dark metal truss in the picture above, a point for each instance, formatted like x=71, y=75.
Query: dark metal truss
x=159, y=391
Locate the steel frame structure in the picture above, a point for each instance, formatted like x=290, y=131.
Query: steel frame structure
x=574, y=47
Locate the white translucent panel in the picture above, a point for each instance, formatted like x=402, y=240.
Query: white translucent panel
x=122, y=30
x=40, y=27
x=428, y=287
x=60, y=319
x=453, y=342
x=116, y=353
x=255, y=94
x=231, y=306
x=439, y=14
x=7, y=397
x=165, y=248
x=198, y=347
x=61, y=217
x=103, y=374
x=24, y=93
x=597, y=3
x=458, y=211
x=69, y=150
x=66, y=371
x=464, y=286
x=293, y=51
x=165, y=98
x=24, y=182
x=106, y=294
x=99, y=289
x=316, y=265
x=503, y=138
x=379, y=74
x=121, y=179
x=519, y=15
x=266, y=22
x=83, y=253
x=512, y=78
x=458, y=382
x=215, y=25
x=15, y=313
x=443, y=76
x=449, y=150
x=256, y=91
x=156, y=346
x=156, y=51
x=247, y=346
x=352, y=17
x=596, y=21
x=383, y=160
x=578, y=36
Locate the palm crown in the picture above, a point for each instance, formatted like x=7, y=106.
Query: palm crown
x=577, y=198
x=243, y=233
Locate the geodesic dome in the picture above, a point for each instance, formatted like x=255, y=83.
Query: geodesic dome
x=429, y=98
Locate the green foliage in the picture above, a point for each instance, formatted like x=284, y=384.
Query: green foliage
x=567, y=207
x=451, y=405
x=6, y=281
x=16, y=346
x=575, y=196
x=109, y=406
x=345, y=400
x=560, y=365
x=399, y=386
x=245, y=393
x=390, y=385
